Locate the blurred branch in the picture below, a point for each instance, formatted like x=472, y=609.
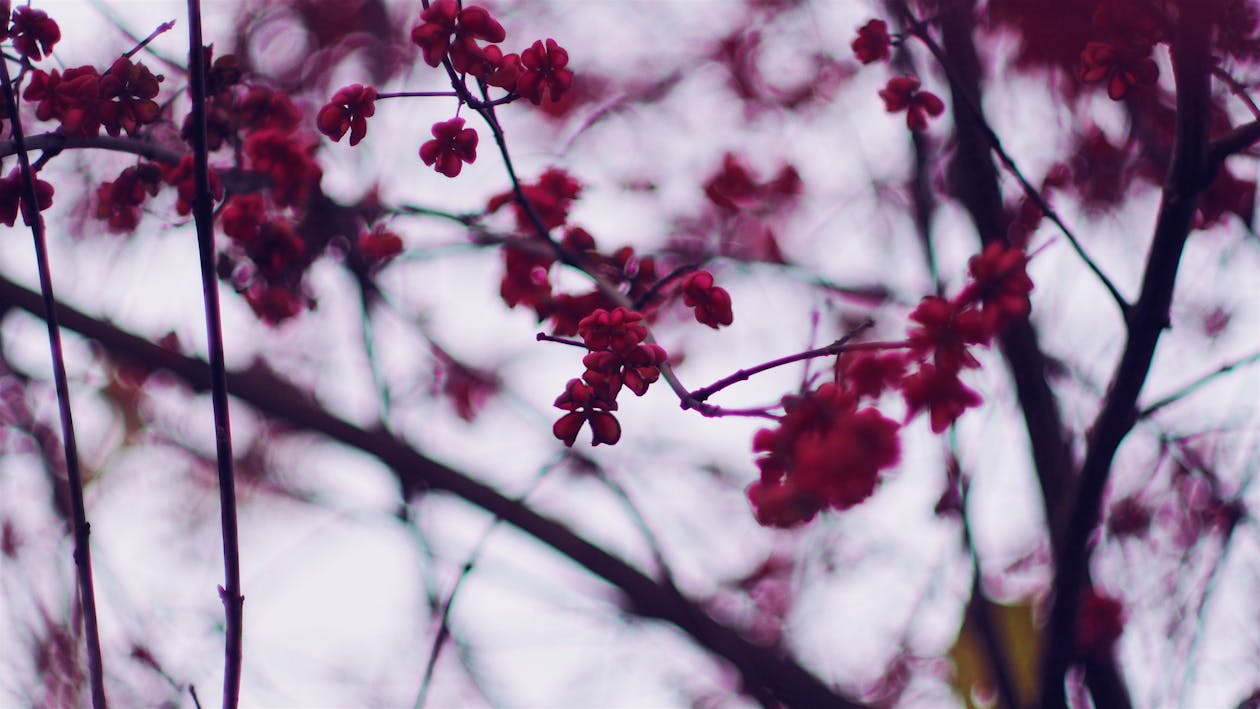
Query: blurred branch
x=765, y=672
x=28, y=208
x=444, y=615
x=203, y=216
x=1188, y=174
x=1197, y=383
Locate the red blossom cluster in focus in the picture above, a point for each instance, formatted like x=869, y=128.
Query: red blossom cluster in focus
x=618, y=357
x=832, y=443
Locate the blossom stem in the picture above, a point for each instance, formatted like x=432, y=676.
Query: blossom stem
x=841, y=345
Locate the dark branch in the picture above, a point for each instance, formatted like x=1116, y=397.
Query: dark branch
x=765, y=671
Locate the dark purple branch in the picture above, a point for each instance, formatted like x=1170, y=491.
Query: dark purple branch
x=203, y=215
x=767, y=672
x=164, y=27
x=1188, y=174
x=29, y=211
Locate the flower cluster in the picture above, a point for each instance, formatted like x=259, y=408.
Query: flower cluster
x=618, y=357
x=826, y=452
x=83, y=100
x=269, y=256
x=832, y=443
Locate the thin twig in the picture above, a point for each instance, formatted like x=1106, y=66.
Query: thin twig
x=164, y=27
x=1199, y=382
x=29, y=210
x=1236, y=88
x=444, y=628
x=203, y=210
x=834, y=348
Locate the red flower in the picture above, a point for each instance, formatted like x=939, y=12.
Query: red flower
x=567, y=311
x=274, y=304
x=72, y=98
x=242, y=217
x=134, y=88
x=902, y=94
x=348, y=109
x=185, y=182
x=467, y=388
x=544, y=69
x=34, y=33
x=451, y=147
x=496, y=68
x=585, y=404
x=288, y=159
x=617, y=331
x=276, y=250
x=872, y=42
x=446, y=28
x=868, y=374
x=636, y=368
x=1000, y=284
x=945, y=331
x=551, y=197
x=13, y=196
x=1099, y=624
x=380, y=245
x=118, y=202
x=712, y=304
x=941, y=393
x=525, y=279
x=1122, y=65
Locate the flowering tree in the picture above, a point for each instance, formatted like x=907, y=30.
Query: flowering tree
x=566, y=322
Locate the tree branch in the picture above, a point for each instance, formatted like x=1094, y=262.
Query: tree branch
x=203, y=217
x=1188, y=174
x=765, y=672
x=28, y=208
